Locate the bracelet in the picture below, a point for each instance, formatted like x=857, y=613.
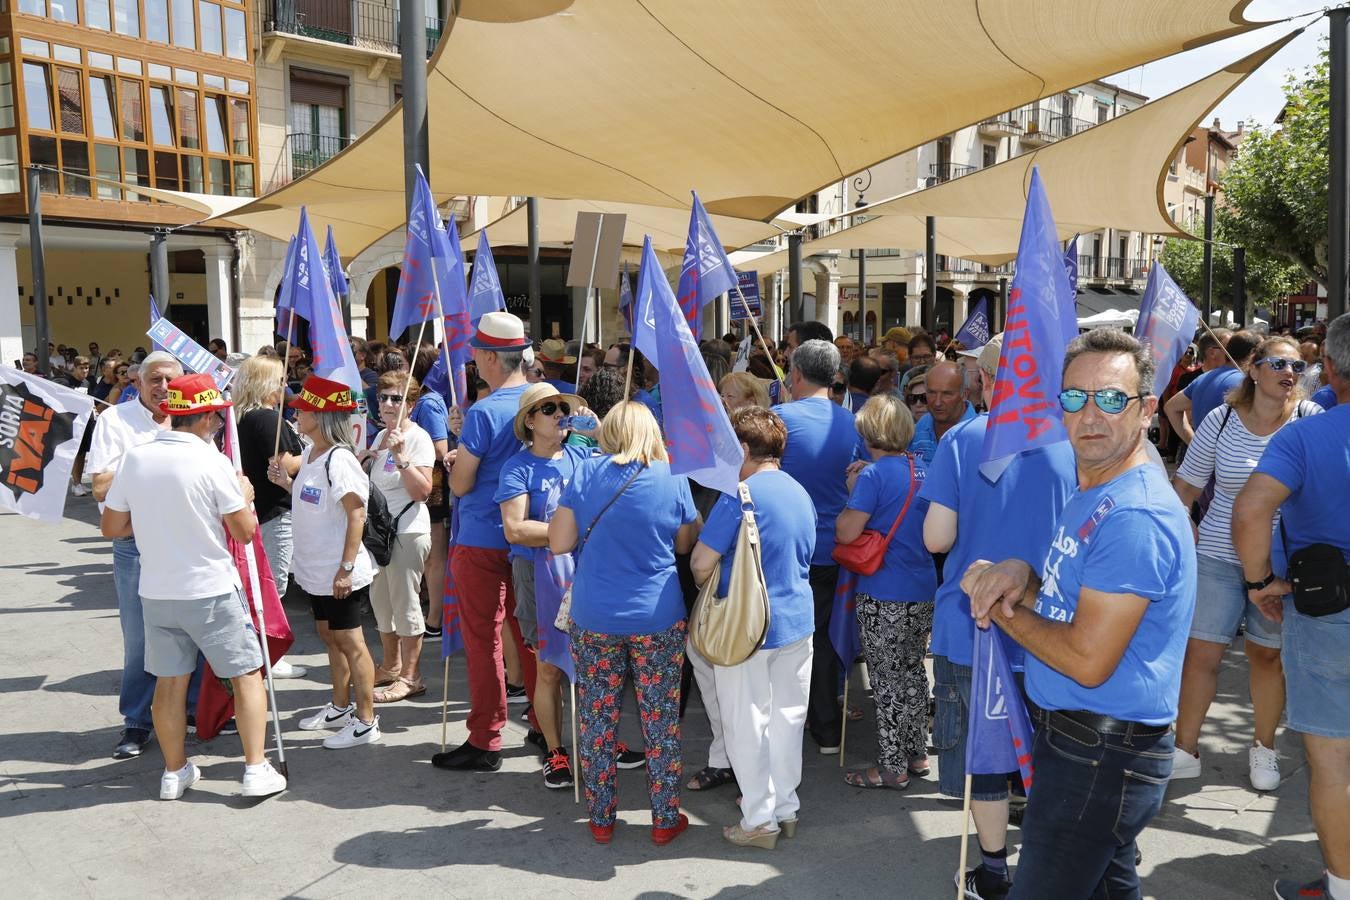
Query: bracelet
x=1259, y=585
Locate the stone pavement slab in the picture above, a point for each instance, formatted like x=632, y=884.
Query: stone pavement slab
x=380, y=821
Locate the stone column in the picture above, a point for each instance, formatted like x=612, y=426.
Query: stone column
x=220, y=310
x=11, y=318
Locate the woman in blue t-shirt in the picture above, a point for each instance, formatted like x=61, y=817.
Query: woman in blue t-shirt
x=762, y=702
x=627, y=516
x=894, y=604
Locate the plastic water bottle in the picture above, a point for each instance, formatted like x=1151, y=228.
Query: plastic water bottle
x=579, y=423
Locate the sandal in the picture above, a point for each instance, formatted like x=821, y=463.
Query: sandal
x=710, y=777
x=385, y=677
x=919, y=766
x=401, y=689
x=877, y=778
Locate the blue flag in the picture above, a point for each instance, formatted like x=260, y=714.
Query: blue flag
x=699, y=435
x=154, y=317
x=626, y=299
x=452, y=638
x=552, y=578
x=332, y=264
x=1167, y=322
x=1024, y=411
x=844, y=619
x=644, y=307
x=1071, y=264
x=285, y=296
x=706, y=273
x=426, y=257
x=975, y=333
x=998, y=740
x=485, y=290
x=312, y=297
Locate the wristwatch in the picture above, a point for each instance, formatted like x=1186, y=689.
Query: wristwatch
x=401, y=466
x=1258, y=585
x=346, y=566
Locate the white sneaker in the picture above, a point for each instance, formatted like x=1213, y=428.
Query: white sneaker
x=1263, y=767
x=354, y=735
x=264, y=781
x=1184, y=765
x=329, y=717
x=172, y=785
x=283, y=669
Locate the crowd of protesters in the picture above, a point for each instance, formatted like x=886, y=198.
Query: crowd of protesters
x=1114, y=593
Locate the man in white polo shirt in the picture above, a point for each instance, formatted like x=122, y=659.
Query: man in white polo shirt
x=117, y=430
x=178, y=495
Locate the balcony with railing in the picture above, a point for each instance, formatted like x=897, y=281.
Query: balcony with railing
x=1036, y=130
x=1003, y=125
x=302, y=153
x=357, y=23
x=940, y=172
x=1112, y=268
x=957, y=268
x=1067, y=126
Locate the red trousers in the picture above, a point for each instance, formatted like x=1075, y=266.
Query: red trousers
x=486, y=599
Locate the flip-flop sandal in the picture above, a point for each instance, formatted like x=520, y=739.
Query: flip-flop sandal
x=710, y=777
x=920, y=771
x=399, y=690
x=886, y=779
x=416, y=689
x=384, y=677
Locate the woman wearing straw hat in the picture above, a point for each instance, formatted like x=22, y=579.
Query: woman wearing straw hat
x=531, y=482
x=330, y=567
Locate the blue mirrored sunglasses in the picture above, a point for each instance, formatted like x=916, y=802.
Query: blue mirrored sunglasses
x=1109, y=400
x=1279, y=364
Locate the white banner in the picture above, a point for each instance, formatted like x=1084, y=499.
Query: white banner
x=41, y=424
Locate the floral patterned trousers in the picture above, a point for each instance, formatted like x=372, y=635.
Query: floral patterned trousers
x=603, y=662
x=895, y=639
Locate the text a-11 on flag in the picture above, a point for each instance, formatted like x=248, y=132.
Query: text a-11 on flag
x=699, y=435
x=1024, y=411
x=41, y=423
x=974, y=333
x=705, y=273
x=1167, y=322
x=194, y=357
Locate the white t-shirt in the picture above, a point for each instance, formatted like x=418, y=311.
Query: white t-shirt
x=319, y=521
x=177, y=489
x=117, y=430
x=385, y=475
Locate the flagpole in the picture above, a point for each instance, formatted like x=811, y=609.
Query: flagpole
x=628, y=380
x=754, y=324
x=407, y=382
x=1222, y=345
x=445, y=699
x=965, y=841
x=843, y=724
x=576, y=753
x=281, y=407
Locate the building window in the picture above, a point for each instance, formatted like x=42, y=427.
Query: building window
x=65, y=11
x=215, y=125
x=219, y=170
x=42, y=152
x=161, y=118
x=127, y=19
x=98, y=15
x=1103, y=113
x=318, y=119
x=189, y=137
x=193, y=179
x=166, y=171
x=70, y=100
x=6, y=94
x=105, y=166
x=240, y=126
x=133, y=111
x=184, y=28
x=236, y=41
x=9, y=164
x=37, y=96
x=75, y=163
x=990, y=155
x=136, y=168
x=243, y=179
x=157, y=20
x=212, y=39
x=33, y=7
x=101, y=107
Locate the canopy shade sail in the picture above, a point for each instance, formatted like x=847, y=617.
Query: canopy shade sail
x=751, y=103
x=1109, y=176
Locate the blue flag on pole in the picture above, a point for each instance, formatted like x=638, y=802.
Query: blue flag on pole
x=1167, y=322
x=426, y=255
x=699, y=435
x=626, y=299
x=844, y=619
x=332, y=264
x=644, y=306
x=285, y=295
x=154, y=317
x=998, y=740
x=552, y=578
x=706, y=273
x=485, y=289
x=312, y=297
x=975, y=332
x=1071, y=265
x=452, y=638
x=1024, y=412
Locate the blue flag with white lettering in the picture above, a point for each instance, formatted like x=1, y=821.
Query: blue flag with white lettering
x=1024, y=412
x=332, y=264
x=644, y=308
x=285, y=298
x=428, y=262
x=626, y=299
x=485, y=289
x=311, y=293
x=998, y=740
x=975, y=332
x=706, y=272
x=1167, y=322
x=1071, y=264
x=699, y=435
x=452, y=637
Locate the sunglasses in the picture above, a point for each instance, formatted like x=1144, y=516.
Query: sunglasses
x=393, y=399
x=916, y=398
x=1279, y=364
x=550, y=408
x=1110, y=400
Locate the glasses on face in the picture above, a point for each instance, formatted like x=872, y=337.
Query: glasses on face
x=913, y=399
x=391, y=399
x=1279, y=364
x=550, y=408
x=1108, y=400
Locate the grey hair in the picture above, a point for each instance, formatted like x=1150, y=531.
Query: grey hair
x=817, y=361
x=336, y=428
x=133, y=370
x=1337, y=345
x=160, y=358
x=1113, y=340
x=511, y=360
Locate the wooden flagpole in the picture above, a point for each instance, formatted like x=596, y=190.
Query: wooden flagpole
x=965, y=842
x=445, y=699
x=285, y=362
x=843, y=719
x=783, y=394
x=576, y=753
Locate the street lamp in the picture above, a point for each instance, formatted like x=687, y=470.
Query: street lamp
x=861, y=183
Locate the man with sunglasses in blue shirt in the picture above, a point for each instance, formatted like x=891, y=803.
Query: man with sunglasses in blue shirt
x=1104, y=625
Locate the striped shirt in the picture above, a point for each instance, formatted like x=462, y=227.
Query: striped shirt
x=1229, y=452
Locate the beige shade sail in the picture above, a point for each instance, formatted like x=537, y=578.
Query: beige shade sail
x=753, y=103
x=1109, y=176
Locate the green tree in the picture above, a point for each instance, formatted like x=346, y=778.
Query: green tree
x=1269, y=278
x=1275, y=191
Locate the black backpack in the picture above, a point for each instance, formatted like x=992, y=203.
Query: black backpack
x=381, y=529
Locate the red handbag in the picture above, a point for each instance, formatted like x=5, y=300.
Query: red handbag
x=867, y=551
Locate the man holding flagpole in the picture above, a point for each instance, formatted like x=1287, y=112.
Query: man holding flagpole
x=1104, y=624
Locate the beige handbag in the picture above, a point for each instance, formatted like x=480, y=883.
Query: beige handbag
x=726, y=631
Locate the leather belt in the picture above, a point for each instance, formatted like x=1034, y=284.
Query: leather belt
x=1071, y=719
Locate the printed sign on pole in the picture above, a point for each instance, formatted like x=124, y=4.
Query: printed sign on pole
x=749, y=282
x=193, y=356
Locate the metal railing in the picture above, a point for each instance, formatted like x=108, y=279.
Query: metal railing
x=1115, y=268
x=1067, y=126
x=940, y=172
x=956, y=265
x=302, y=153
x=356, y=23
x=1005, y=122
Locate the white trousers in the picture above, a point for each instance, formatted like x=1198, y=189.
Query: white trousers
x=762, y=704
x=705, y=673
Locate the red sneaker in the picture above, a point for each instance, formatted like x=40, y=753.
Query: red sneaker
x=666, y=835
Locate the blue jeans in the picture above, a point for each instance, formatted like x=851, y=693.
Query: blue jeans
x=277, y=544
x=951, y=691
x=1090, y=800
x=138, y=686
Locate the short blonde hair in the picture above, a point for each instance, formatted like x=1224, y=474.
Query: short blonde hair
x=630, y=433
x=257, y=379
x=885, y=423
x=748, y=386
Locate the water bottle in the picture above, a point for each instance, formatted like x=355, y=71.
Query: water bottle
x=579, y=423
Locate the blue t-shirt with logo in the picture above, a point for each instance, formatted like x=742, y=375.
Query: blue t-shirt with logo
x=431, y=413
x=924, y=444
x=907, y=574
x=1324, y=397
x=543, y=479
x=1012, y=518
x=625, y=580
x=821, y=443
x=1311, y=457
x=1128, y=536
x=488, y=435
x=787, y=539
x=1208, y=390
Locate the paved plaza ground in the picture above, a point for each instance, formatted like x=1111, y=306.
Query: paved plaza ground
x=379, y=821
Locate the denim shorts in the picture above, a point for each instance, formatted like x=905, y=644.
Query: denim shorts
x=951, y=690
x=1316, y=657
x=218, y=626
x=1221, y=604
